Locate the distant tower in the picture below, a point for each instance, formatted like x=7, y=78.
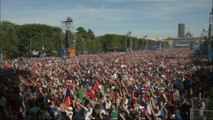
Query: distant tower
x=210, y=24
x=181, y=30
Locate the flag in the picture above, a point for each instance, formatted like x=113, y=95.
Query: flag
x=95, y=87
x=90, y=94
x=67, y=102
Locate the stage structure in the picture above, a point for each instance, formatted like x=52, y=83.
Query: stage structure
x=210, y=33
x=68, y=51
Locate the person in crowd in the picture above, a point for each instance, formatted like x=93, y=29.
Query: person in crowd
x=146, y=85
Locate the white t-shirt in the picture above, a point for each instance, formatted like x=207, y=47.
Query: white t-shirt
x=69, y=112
x=148, y=108
x=88, y=113
x=108, y=105
x=126, y=101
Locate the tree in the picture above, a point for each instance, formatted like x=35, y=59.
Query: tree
x=83, y=33
x=8, y=42
x=91, y=35
x=24, y=34
x=23, y=39
x=38, y=36
x=83, y=40
x=80, y=44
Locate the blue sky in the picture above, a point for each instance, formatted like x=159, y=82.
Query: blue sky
x=155, y=18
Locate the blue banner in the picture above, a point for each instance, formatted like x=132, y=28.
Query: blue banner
x=210, y=54
x=195, y=46
x=42, y=55
x=1, y=55
x=158, y=47
x=64, y=53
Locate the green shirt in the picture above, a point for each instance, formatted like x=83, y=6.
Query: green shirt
x=114, y=114
x=80, y=93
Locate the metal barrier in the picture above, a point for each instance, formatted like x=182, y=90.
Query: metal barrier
x=196, y=104
x=198, y=114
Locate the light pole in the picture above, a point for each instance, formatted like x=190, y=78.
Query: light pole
x=74, y=37
x=147, y=44
x=0, y=28
x=30, y=47
x=30, y=44
x=61, y=41
x=42, y=43
x=128, y=41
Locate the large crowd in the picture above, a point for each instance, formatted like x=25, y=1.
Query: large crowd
x=145, y=85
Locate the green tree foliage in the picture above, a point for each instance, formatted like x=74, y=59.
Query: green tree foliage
x=86, y=42
x=112, y=42
x=91, y=35
x=10, y=41
x=82, y=33
x=8, y=38
x=23, y=39
x=38, y=37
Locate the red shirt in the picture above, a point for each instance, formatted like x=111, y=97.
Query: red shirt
x=95, y=88
x=91, y=95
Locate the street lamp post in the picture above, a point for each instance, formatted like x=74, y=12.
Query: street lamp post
x=61, y=41
x=147, y=44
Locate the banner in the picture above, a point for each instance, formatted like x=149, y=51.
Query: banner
x=158, y=47
x=64, y=53
x=72, y=52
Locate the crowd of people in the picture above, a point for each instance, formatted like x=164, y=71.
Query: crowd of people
x=145, y=85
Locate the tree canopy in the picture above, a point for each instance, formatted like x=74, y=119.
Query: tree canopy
x=21, y=40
